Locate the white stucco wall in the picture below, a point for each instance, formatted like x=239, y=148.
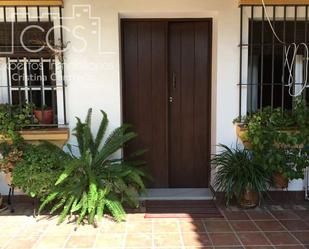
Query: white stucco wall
x=94, y=79
x=102, y=89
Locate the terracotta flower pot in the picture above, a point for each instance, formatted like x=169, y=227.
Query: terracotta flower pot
x=280, y=181
x=1, y=201
x=250, y=199
x=45, y=116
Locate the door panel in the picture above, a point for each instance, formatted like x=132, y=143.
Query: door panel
x=162, y=59
x=145, y=93
x=189, y=63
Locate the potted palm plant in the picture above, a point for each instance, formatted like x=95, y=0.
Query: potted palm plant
x=239, y=176
x=96, y=182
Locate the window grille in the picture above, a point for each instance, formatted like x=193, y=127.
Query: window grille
x=32, y=72
x=263, y=76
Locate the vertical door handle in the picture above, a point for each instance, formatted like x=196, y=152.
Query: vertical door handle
x=174, y=80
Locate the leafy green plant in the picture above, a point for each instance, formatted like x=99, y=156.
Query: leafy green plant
x=95, y=182
x=278, y=139
x=238, y=172
x=39, y=169
x=14, y=118
x=11, y=154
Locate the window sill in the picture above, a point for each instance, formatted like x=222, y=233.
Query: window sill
x=242, y=135
x=56, y=136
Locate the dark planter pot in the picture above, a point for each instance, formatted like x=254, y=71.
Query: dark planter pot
x=45, y=116
x=3, y=207
x=251, y=199
x=279, y=181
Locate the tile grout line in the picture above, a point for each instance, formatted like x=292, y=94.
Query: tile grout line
x=270, y=243
x=300, y=243
x=125, y=235
x=234, y=232
x=68, y=238
x=40, y=237
x=15, y=234
x=205, y=228
x=98, y=232
x=180, y=235
x=152, y=235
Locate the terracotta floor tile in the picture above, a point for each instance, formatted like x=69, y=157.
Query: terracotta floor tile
x=165, y=227
x=4, y=240
x=236, y=215
x=137, y=248
x=195, y=233
x=113, y=227
x=303, y=237
x=51, y=242
x=289, y=247
x=193, y=226
x=139, y=227
x=217, y=226
x=33, y=230
x=223, y=247
x=125, y=247
x=47, y=219
x=270, y=226
x=259, y=247
x=285, y=215
x=199, y=247
x=224, y=239
x=281, y=238
x=260, y=215
x=60, y=230
x=10, y=229
x=244, y=226
x=250, y=239
x=304, y=214
x=295, y=225
x=79, y=241
x=137, y=217
x=196, y=239
x=138, y=240
x=22, y=243
x=86, y=230
x=167, y=240
x=110, y=241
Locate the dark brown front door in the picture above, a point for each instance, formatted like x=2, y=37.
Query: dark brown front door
x=166, y=96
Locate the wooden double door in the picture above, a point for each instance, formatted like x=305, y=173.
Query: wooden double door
x=166, y=90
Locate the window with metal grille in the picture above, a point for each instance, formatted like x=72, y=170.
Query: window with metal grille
x=263, y=73
x=31, y=69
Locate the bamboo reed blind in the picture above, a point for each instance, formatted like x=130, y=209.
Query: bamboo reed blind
x=31, y=2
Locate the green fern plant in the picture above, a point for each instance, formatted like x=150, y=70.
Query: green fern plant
x=237, y=172
x=94, y=183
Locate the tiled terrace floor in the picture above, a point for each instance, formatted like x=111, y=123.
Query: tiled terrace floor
x=262, y=228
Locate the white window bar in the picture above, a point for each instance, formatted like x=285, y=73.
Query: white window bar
x=25, y=87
